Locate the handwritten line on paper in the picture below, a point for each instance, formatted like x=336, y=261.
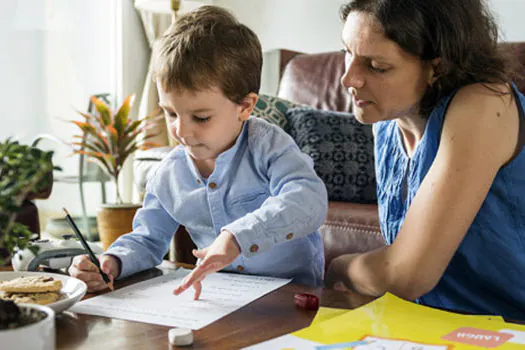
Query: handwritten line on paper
x=152, y=301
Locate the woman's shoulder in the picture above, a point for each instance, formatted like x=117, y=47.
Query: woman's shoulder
x=486, y=115
x=490, y=101
x=495, y=97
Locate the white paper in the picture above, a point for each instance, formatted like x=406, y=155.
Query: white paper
x=289, y=341
x=518, y=336
x=152, y=301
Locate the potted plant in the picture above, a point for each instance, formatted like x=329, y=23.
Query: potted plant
x=108, y=138
x=24, y=172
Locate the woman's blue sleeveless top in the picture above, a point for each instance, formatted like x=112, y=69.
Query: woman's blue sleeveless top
x=487, y=273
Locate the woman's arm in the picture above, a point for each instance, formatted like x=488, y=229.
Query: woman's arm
x=479, y=136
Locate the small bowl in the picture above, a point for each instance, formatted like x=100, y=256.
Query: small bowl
x=38, y=335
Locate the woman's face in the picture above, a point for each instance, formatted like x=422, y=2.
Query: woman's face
x=385, y=81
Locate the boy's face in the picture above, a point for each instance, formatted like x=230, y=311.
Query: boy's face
x=206, y=123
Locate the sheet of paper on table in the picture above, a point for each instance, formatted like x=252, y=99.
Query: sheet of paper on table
x=152, y=301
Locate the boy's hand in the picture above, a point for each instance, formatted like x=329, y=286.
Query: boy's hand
x=84, y=269
x=221, y=253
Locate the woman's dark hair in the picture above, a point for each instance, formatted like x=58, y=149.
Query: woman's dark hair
x=462, y=33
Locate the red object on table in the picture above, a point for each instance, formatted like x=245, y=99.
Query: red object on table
x=306, y=301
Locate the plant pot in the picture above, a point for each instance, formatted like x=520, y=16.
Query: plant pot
x=37, y=335
x=114, y=220
x=5, y=258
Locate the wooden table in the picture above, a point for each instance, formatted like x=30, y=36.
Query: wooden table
x=270, y=316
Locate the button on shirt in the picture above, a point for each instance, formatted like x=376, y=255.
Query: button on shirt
x=264, y=190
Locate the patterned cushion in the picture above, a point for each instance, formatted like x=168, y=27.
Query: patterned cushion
x=272, y=109
x=342, y=150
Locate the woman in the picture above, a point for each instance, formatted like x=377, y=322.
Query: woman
x=449, y=131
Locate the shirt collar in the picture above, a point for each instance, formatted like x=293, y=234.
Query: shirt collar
x=227, y=156
x=224, y=157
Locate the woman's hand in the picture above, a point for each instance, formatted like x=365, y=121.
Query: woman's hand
x=221, y=253
x=337, y=276
x=84, y=269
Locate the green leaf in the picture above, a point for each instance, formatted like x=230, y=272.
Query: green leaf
x=103, y=110
x=101, y=161
x=112, y=136
x=122, y=116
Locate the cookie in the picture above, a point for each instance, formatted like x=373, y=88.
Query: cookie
x=32, y=298
x=31, y=284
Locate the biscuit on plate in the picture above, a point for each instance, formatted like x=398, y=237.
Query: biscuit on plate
x=31, y=284
x=32, y=298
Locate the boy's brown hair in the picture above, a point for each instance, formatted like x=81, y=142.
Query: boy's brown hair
x=209, y=47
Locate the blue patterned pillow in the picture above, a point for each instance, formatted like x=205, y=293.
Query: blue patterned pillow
x=342, y=150
x=272, y=109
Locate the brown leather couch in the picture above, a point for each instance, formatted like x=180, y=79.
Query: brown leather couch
x=314, y=80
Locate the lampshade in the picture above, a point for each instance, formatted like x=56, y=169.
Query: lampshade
x=167, y=6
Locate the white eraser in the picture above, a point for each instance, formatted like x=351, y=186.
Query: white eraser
x=180, y=336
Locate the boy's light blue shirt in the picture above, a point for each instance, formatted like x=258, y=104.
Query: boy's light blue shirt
x=264, y=190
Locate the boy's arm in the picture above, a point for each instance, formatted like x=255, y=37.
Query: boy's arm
x=298, y=202
x=149, y=241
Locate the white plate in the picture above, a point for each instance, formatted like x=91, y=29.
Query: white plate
x=73, y=288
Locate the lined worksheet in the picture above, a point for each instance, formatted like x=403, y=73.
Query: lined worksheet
x=152, y=301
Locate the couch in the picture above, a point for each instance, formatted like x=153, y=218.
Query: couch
x=314, y=80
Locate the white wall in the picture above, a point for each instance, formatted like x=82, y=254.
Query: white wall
x=301, y=25
x=22, y=78
x=133, y=55
x=55, y=54
x=509, y=14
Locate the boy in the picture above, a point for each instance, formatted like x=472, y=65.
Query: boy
x=248, y=197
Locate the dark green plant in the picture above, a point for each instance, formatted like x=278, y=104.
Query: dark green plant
x=109, y=138
x=23, y=170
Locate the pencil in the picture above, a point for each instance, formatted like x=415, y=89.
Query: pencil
x=92, y=256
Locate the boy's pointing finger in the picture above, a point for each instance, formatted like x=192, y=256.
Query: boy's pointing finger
x=195, y=275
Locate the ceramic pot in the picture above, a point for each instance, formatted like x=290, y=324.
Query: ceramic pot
x=39, y=335
x=114, y=220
